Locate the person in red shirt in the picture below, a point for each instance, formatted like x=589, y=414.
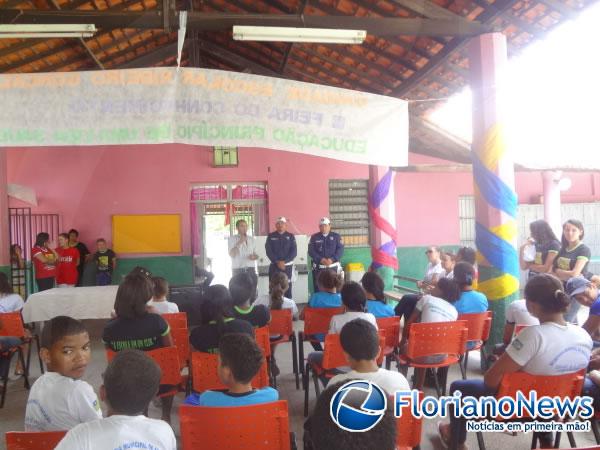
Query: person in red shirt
x=68, y=260
x=44, y=261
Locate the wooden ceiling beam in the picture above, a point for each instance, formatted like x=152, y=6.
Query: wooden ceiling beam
x=291, y=44
x=237, y=59
x=110, y=59
x=151, y=58
x=379, y=26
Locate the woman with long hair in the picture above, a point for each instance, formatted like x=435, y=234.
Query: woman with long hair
x=546, y=246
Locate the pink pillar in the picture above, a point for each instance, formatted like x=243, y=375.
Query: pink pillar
x=551, y=182
x=494, y=177
x=4, y=237
x=382, y=215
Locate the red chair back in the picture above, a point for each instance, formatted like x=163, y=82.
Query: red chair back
x=176, y=320
x=519, y=328
x=478, y=325
x=408, y=427
x=181, y=340
x=167, y=359
x=563, y=386
x=427, y=339
x=281, y=322
x=205, y=376
x=33, y=440
x=333, y=355
x=11, y=324
x=262, y=336
x=264, y=426
x=389, y=327
x=316, y=320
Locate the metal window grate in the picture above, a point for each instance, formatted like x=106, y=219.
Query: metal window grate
x=349, y=210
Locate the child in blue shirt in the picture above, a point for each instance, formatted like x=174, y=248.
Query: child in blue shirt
x=240, y=359
x=373, y=285
x=587, y=294
x=470, y=301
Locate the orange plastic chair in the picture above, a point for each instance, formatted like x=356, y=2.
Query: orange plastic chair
x=262, y=337
x=282, y=325
x=479, y=326
x=181, y=340
x=176, y=320
x=432, y=339
x=333, y=357
x=11, y=325
x=563, y=386
x=316, y=321
x=264, y=426
x=205, y=376
x=167, y=359
x=36, y=440
x=409, y=428
x=389, y=327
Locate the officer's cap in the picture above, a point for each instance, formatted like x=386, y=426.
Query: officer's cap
x=324, y=221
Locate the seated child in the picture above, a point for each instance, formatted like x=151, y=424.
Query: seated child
x=59, y=399
x=131, y=380
x=354, y=300
x=240, y=359
x=106, y=263
x=136, y=328
x=243, y=294
x=373, y=285
x=278, y=286
x=217, y=320
x=159, y=299
x=322, y=433
x=329, y=283
x=586, y=293
x=9, y=302
x=470, y=301
x=360, y=342
x=517, y=316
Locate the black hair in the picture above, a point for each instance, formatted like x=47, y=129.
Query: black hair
x=42, y=238
x=215, y=307
x=13, y=249
x=5, y=287
x=360, y=340
x=464, y=274
x=241, y=354
x=139, y=270
x=547, y=291
x=450, y=289
x=131, y=381
x=542, y=232
x=354, y=297
x=466, y=254
x=329, y=279
x=373, y=283
x=577, y=224
x=242, y=289
x=278, y=285
x=57, y=328
x=325, y=434
x=133, y=294
x=64, y=235
x=237, y=222
x=100, y=240
x=73, y=230
x=161, y=286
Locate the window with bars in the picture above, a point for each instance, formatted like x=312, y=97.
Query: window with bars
x=349, y=211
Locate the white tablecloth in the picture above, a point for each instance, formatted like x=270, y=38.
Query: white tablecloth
x=95, y=302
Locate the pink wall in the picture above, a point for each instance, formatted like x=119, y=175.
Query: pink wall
x=87, y=185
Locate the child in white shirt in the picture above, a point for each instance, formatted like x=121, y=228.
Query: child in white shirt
x=59, y=399
x=354, y=299
x=131, y=381
x=159, y=299
x=360, y=342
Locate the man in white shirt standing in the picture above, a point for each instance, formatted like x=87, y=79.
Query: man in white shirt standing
x=242, y=249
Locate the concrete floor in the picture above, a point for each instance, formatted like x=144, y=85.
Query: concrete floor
x=11, y=416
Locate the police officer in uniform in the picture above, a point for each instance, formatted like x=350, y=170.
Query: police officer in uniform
x=281, y=250
x=325, y=248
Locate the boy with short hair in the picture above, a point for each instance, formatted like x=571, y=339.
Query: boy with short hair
x=240, y=359
x=360, y=342
x=59, y=399
x=130, y=382
x=159, y=298
x=106, y=262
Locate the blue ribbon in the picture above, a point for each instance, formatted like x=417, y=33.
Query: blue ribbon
x=493, y=189
x=501, y=254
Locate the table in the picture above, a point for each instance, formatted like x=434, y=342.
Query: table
x=94, y=302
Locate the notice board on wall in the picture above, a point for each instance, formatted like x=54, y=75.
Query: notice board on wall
x=146, y=233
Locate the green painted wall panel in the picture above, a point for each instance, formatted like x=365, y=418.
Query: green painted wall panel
x=177, y=270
